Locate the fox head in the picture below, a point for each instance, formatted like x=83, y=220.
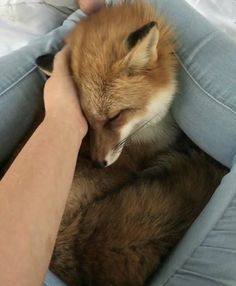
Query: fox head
x=122, y=62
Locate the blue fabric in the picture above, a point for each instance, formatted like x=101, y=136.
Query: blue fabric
x=205, y=109
x=21, y=86
x=206, y=105
x=52, y=280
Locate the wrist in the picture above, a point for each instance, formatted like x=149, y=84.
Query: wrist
x=68, y=121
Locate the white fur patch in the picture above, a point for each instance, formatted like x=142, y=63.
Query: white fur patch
x=159, y=105
x=113, y=155
x=157, y=111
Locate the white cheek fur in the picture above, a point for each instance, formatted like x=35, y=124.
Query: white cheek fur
x=156, y=112
x=113, y=155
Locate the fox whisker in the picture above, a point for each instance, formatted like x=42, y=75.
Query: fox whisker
x=126, y=139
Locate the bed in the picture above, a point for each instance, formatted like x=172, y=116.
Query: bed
x=22, y=21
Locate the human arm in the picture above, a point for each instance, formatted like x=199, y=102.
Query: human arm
x=34, y=191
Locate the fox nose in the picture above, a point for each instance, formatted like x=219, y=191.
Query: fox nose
x=100, y=164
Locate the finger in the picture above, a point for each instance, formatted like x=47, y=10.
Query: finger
x=62, y=61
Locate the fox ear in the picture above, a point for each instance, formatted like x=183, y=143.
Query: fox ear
x=45, y=63
x=143, y=47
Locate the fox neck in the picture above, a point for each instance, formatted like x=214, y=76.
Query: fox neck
x=162, y=131
x=156, y=136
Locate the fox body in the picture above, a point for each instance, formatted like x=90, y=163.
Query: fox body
x=124, y=217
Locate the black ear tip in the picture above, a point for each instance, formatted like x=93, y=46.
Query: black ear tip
x=152, y=24
x=139, y=34
x=45, y=61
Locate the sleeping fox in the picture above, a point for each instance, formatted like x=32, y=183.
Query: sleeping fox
x=139, y=182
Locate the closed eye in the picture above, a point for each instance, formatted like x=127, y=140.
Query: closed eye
x=115, y=119
x=116, y=116
x=119, y=118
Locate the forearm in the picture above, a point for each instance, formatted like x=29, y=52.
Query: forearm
x=29, y=224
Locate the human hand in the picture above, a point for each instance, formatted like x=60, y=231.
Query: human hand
x=61, y=95
x=90, y=6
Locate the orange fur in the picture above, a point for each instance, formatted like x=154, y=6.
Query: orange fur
x=101, y=71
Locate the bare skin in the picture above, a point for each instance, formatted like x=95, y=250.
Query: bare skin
x=33, y=192
x=90, y=6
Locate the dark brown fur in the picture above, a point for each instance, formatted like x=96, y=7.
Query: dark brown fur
x=121, y=238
